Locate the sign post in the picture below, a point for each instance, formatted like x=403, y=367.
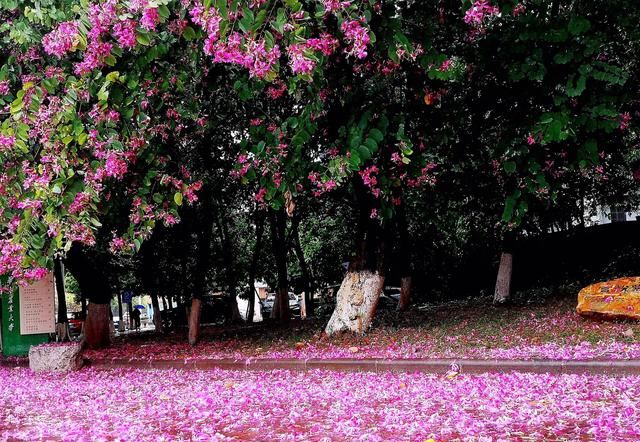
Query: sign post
x=27, y=316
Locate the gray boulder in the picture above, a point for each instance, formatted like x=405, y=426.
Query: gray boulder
x=52, y=357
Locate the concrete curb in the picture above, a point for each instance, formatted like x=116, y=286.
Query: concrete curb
x=437, y=366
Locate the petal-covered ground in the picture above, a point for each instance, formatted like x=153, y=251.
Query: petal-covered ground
x=552, y=331
x=146, y=405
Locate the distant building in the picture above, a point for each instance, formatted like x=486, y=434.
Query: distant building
x=606, y=215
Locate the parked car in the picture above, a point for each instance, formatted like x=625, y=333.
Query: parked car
x=76, y=320
x=214, y=309
x=294, y=304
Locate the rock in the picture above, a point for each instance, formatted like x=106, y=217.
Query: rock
x=618, y=298
x=55, y=357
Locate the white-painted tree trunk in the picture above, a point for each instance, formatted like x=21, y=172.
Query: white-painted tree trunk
x=502, y=292
x=356, y=302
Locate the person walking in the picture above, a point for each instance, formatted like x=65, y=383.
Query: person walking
x=136, y=318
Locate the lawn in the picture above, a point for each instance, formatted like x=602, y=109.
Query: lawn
x=469, y=329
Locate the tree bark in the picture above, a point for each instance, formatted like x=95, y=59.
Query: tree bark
x=96, y=327
x=120, y=312
x=157, y=316
x=356, y=302
x=306, y=307
x=194, y=321
x=405, y=293
x=254, y=265
x=404, y=259
x=279, y=246
x=357, y=298
x=62, y=326
x=502, y=292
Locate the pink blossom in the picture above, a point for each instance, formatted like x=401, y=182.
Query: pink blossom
x=125, y=32
x=150, y=19
x=358, y=37
x=4, y=87
x=6, y=142
x=61, y=40
x=480, y=10
x=260, y=195
x=625, y=119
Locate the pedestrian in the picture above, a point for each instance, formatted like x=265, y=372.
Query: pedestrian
x=136, y=318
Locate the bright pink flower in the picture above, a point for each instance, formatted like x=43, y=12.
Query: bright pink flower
x=358, y=37
x=125, y=32
x=150, y=19
x=4, y=87
x=61, y=40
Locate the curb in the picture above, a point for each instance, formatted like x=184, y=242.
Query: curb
x=434, y=366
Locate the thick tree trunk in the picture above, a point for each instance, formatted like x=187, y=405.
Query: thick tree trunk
x=90, y=270
x=279, y=246
x=194, y=321
x=356, y=302
x=405, y=293
x=96, y=326
x=157, y=317
x=357, y=299
x=502, y=292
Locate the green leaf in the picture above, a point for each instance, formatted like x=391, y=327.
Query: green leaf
x=509, y=166
x=143, y=39
x=579, y=25
x=189, y=33
x=178, y=198
x=376, y=135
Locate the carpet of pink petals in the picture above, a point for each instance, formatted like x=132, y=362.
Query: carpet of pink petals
x=550, y=332
x=279, y=405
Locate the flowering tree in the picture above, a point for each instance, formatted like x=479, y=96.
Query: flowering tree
x=100, y=100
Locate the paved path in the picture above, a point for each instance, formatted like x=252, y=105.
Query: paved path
x=609, y=367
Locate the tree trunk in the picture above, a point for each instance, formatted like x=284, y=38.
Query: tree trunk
x=62, y=326
x=83, y=306
x=405, y=293
x=96, y=326
x=157, y=317
x=404, y=259
x=357, y=299
x=120, y=312
x=279, y=246
x=194, y=321
x=502, y=292
x=306, y=303
x=356, y=302
x=254, y=264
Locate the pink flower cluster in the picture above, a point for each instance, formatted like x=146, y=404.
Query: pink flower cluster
x=625, y=119
x=150, y=19
x=321, y=186
x=358, y=37
x=79, y=203
x=479, y=12
x=4, y=87
x=334, y=5
x=125, y=32
x=61, y=40
x=6, y=142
